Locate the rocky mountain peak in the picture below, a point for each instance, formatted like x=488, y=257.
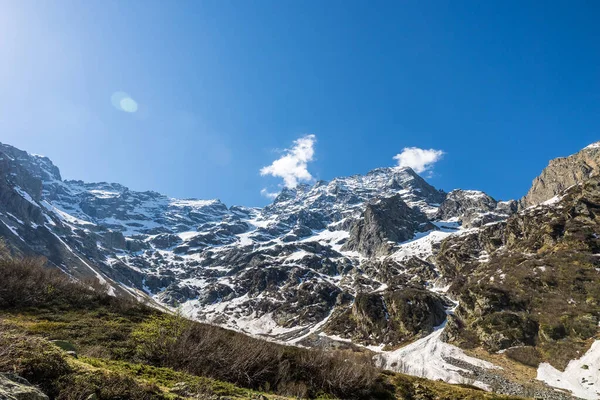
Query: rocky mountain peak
x=343, y=197
x=38, y=166
x=594, y=145
x=562, y=173
x=364, y=258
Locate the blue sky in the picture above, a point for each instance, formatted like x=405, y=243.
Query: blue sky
x=221, y=88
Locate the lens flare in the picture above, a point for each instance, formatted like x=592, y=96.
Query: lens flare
x=123, y=102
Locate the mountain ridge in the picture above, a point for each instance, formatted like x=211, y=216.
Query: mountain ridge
x=356, y=261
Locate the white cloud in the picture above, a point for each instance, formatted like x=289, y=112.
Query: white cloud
x=420, y=160
x=266, y=193
x=292, y=166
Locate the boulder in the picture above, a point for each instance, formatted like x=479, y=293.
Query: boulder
x=13, y=387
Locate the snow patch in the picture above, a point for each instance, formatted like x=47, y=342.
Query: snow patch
x=426, y=358
x=421, y=246
x=593, y=146
x=581, y=377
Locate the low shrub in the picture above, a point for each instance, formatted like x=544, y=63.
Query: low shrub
x=106, y=386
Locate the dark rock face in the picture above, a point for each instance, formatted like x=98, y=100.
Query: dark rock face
x=291, y=270
x=114, y=239
x=388, y=220
x=390, y=317
x=165, y=241
x=532, y=280
x=562, y=173
x=175, y=294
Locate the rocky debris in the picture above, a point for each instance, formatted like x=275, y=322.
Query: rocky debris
x=14, y=387
x=562, y=173
x=215, y=293
x=165, y=241
x=383, y=224
x=499, y=384
x=182, y=389
x=323, y=256
x=345, y=197
x=176, y=293
x=115, y=240
x=149, y=242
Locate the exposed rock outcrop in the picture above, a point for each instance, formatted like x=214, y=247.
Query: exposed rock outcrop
x=390, y=317
x=531, y=280
x=14, y=387
x=385, y=223
x=562, y=173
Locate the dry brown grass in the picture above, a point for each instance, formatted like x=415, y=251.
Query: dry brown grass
x=225, y=355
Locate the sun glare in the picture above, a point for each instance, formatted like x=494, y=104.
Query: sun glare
x=123, y=102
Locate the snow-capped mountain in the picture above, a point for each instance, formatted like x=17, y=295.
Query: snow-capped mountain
x=376, y=260
x=283, y=269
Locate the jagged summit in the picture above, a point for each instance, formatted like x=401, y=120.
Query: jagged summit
x=474, y=208
x=38, y=166
x=561, y=173
x=338, y=197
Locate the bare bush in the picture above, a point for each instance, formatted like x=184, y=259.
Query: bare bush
x=210, y=351
x=28, y=282
x=104, y=385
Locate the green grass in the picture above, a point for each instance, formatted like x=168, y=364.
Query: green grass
x=100, y=342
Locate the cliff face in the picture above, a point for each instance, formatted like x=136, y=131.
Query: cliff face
x=562, y=173
x=388, y=220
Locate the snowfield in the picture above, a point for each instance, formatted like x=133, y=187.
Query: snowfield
x=426, y=358
x=581, y=377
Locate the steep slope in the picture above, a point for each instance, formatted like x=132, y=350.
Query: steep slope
x=383, y=224
x=280, y=271
x=28, y=225
x=562, y=173
x=78, y=343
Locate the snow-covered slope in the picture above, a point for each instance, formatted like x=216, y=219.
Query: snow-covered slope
x=234, y=266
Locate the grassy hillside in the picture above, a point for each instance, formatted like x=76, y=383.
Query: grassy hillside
x=126, y=350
